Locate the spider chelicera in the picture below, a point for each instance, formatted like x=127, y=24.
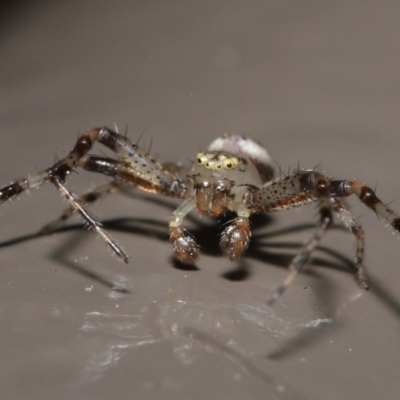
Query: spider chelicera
x=235, y=174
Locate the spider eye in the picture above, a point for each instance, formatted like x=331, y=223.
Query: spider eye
x=219, y=166
x=230, y=163
x=201, y=158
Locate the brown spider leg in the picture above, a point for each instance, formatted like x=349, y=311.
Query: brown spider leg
x=356, y=229
x=60, y=170
x=305, y=187
x=90, y=219
x=322, y=187
x=136, y=163
x=113, y=168
x=21, y=185
x=368, y=197
x=285, y=193
x=106, y=166
x=184, y=246
x=127, y=174
x=301, y=188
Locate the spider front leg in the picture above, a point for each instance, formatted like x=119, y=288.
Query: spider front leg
x=124, y=178
x=136, y=166
x=56, y=175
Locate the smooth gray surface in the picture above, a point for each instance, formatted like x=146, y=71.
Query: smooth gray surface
x=316, y=82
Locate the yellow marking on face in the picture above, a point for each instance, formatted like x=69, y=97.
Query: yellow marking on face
x=221, y=161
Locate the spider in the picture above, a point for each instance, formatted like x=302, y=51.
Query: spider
x=235, y=174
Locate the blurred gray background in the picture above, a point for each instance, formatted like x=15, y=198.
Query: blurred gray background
x=316, y=82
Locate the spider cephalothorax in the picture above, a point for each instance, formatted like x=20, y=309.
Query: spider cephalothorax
x=235, y=174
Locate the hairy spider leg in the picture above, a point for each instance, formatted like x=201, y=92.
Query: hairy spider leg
x=93, y=221
x=321, y=191
x=85, y=198
x=368, y=197
x=142, y=168
x=124, y=179
x=304, y=187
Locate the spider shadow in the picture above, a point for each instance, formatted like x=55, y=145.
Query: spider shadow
x=59, y=255
x=207, y=232
x=310, y=334
x=260, y=250
x=263, y=249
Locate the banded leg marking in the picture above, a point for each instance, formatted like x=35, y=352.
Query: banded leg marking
x=369, y=198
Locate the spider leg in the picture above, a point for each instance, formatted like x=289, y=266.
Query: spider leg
x=285, y=193
x=368, y=197
x=124, y=178
x=143, y=177
x=303, y=187
x=86, y=198
x=135, y=166
x=90, y=219
x=321, y=191
x=117, y=169
x=298, y=189
x=344, y=214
